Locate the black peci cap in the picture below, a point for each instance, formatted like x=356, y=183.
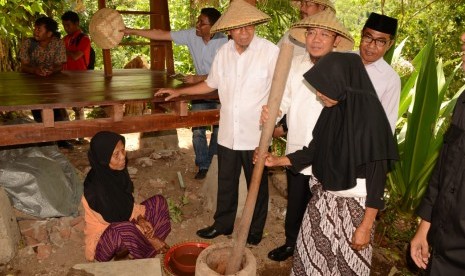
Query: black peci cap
x=381, y=23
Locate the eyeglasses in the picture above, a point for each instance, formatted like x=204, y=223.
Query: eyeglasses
x=379, y=42
x=324, y=35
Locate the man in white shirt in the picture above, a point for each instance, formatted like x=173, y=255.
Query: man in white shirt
x=242, y=72
x=306, y=8
x=378, y=36
x=320, y=33
x=203, y=47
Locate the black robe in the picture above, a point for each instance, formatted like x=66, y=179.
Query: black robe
x=444, y=202
x=352, y=139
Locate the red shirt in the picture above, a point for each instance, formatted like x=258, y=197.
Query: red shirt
x=83, y=46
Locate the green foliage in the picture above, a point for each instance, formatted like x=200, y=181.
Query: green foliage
x=96, y=112
x=175, y=208
x=278, y=146
x=425, y=112
x=282, y=16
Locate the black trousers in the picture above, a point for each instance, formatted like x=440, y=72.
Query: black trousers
x=230, y=163
x=298, y=195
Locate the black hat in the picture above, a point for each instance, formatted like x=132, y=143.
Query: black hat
x=382, y=23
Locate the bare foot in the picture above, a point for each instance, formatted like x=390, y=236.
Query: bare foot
x=159, y=245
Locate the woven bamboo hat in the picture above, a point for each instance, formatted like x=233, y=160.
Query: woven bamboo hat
x=327, y=3
x=239, y=14
x=325, y=20
x=104, y=28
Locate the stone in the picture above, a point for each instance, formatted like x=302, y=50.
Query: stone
x=144, y=162
x=210, y=188
x=132, y=170
x=9, y=230
x=155, y=156
x=56, y=239
x=158, y=183
x=139, y=153
x=44, y=251
x=279, y=181
x=76, y=221
x=166, y=139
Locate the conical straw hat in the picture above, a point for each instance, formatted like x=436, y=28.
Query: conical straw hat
x=327, y=3
x=104, y=28
x=239, y=14
x=325, y=20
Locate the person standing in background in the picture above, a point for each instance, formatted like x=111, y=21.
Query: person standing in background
x=322, y=33
x=378, y=36
x=44, y=54
x=76, y=42
x=203, y=47
x=442, y=224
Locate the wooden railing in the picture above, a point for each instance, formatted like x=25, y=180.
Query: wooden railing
x=19, y=91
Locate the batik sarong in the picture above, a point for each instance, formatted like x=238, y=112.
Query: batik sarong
x=325, y=236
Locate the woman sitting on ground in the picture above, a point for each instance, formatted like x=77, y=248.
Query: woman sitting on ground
x=114, y=222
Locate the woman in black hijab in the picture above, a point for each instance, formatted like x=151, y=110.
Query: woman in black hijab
x=114, y=222
x=352, y=148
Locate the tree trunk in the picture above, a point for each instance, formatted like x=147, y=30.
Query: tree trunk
x=6, y=59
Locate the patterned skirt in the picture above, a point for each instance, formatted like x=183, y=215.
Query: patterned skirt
x=323, y=244
x=121, y=236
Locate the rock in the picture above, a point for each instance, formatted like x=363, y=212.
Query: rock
x=155, y=156
x=143, y=152
x=166, y=153
x=279, y=180
x=132, y=170
x=158, y=183
x=56, y=239
x=76, y=221
x=35, y=229
x=44, y=251
x=144, y=162
x=65, y=233
x=31, y=241
x=80, y=226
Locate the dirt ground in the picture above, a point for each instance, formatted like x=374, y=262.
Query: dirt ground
x=62, y=245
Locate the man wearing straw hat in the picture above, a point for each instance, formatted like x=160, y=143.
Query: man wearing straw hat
x=306, y=8
x=242, y=72
x=298, y=191
x=203, y=47
x=320, y=33
x=378, y=36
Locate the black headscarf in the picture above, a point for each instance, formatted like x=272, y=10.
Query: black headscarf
x=352, y=133
x=108, y=191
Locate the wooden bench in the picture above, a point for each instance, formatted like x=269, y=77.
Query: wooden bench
x=68, y=89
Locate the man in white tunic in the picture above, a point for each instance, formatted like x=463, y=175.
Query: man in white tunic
x=321, y=33
x=378, y=36
x=242, y=72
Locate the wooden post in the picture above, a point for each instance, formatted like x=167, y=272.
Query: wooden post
x=48, y=118
x=278, y=84
x=107, y=68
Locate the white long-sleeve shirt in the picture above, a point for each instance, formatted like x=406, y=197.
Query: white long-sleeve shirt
x=387, y=85
x=301, y=105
